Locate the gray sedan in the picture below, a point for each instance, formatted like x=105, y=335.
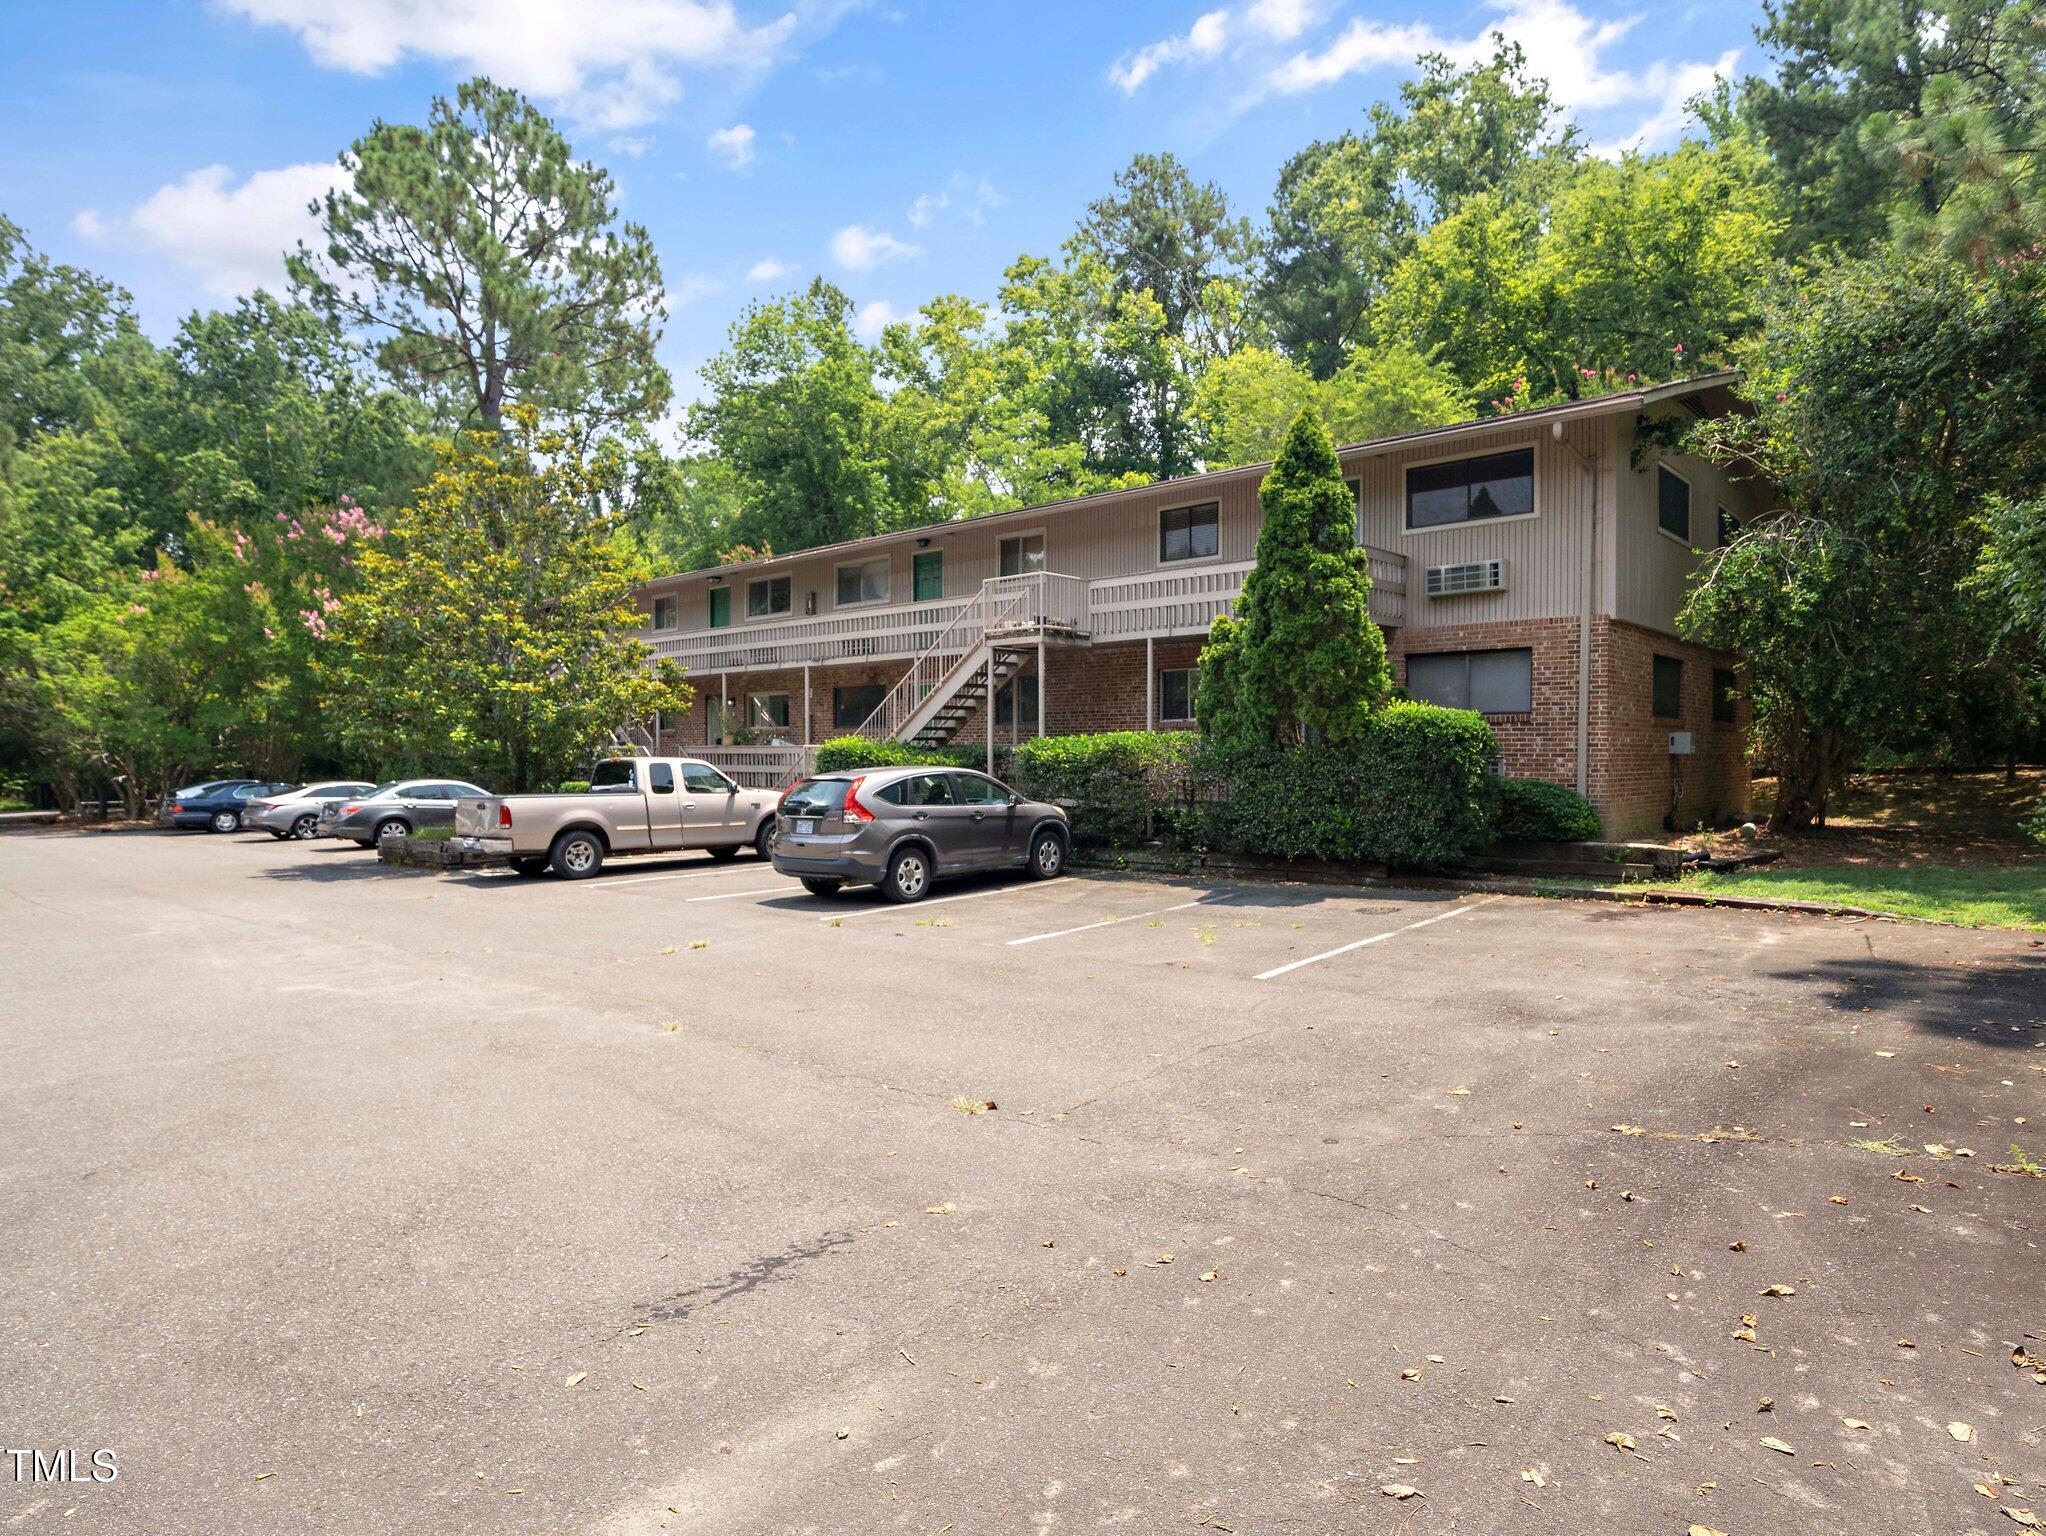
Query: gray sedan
x=902, y=828
x=395, y=810
x=296, y=813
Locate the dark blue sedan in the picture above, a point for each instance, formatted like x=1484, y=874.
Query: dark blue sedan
x=217, y=804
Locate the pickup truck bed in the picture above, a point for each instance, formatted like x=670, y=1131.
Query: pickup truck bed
x=633, y=805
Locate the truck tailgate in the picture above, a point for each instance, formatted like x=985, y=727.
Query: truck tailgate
x=477, y=818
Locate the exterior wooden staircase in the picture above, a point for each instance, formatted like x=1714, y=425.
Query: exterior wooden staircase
x=990, y=642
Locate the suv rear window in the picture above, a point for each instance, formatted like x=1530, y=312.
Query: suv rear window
x=816, y=797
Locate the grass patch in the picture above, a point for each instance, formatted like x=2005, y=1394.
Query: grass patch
x=1970, y=895
x=433, y=834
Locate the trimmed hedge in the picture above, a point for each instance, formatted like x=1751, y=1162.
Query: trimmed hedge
x=1417, y=792
x=843, y=752
x=1118, y=786
x=1535, y=811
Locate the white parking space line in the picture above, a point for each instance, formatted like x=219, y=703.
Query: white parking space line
x=1110, y=922
x=1376, y=938
x=900, y=908
x=680, y=874
x=765, y=890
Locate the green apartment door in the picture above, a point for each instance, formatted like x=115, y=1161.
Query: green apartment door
x=720, y=607
x=927, y=572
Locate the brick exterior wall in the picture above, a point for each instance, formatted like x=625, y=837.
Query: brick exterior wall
x=1101, y=688
x=1631, y=766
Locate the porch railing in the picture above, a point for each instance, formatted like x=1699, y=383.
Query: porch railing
x=769, y=767
x=1187, y=602
x=1004, y=604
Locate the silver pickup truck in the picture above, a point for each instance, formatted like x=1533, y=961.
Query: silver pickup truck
x=633, y=805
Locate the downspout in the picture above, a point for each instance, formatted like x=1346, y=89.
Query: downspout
x=1587, y=607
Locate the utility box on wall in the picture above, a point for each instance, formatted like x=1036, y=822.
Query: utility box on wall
x=1680, y=744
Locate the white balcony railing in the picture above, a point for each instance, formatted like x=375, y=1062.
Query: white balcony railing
x=1155, y=603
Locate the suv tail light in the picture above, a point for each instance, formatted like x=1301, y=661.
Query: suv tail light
x=503, y=815
x=854, y=811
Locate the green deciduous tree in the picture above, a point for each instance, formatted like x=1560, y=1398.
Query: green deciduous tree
x=1898, y=404
x=1339, y=223
x=491, y=266
x=1301, y=660
x=493, y=629
x=1245, y=402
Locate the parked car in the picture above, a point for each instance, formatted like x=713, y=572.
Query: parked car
x=218, y=805
x=394, y=810
x=633, y=805
x=296, y=812
x=903, y=828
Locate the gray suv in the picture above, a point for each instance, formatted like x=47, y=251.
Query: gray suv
x=902, y=828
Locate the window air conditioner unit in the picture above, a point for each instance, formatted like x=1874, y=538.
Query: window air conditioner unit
x=1472, y=576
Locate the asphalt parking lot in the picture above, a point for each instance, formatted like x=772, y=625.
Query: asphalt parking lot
x=341, y=1199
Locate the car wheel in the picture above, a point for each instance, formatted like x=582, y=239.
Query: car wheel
x=727, y=852
x=305, y=827
x=909, y=875
x=225, y=821
x=817, y=885
x=392, y=830
x=529, y=866
x=577, y=855
x=1047, y=856
x=763, y=840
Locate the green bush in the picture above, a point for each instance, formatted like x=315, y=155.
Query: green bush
x=1119, y=787
x=572, y=787
x=843, y=752
x=1416, y=792
x=1535, y=811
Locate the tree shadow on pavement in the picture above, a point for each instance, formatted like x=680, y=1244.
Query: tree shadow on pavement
x=1999, y=1001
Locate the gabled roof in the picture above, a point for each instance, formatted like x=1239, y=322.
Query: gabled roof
x=1571, y=410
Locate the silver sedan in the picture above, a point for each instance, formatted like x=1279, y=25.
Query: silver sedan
x=296, y=813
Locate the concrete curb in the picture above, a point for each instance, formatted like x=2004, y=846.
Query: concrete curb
x=1272, y=872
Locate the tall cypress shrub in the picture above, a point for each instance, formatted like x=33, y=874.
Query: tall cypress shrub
x=1301, y=660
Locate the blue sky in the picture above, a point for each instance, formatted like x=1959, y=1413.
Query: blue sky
x=903, y=148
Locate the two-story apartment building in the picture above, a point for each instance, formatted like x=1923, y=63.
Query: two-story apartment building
x=1529, y=567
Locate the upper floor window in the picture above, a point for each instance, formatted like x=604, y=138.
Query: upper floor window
x=866, y=582
x=1190, y=533
x=1729, y=527
x=1672, y=503
x=664, y=612
x=1021, y=553
x=1467, y=490
x=769, y=595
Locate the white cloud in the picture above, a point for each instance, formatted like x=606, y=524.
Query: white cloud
x=769, y=269
x=871, y=317
x=631, y=145
x=1203, y=40
x=1281, y=19
x=88, y=225
x=859, y=249
x=1564, y=46
x=611, y=65
x=735, y=144
x=972, y=197
x=233, y=238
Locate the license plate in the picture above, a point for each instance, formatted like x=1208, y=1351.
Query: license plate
x=804, y=828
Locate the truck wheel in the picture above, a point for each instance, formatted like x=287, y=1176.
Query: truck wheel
x=577, y=855
x=763, y=840
x=1047, y=856
x=818, y=885
x=725, y=853
x=909, y=875
x=529, y=866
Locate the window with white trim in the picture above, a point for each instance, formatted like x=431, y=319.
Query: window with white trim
x=1189, y=533
x=767, y=596
x=865, y=582
x=664, y=612
x=1672, y=503
x=1471, y=490
x=1176, y=689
